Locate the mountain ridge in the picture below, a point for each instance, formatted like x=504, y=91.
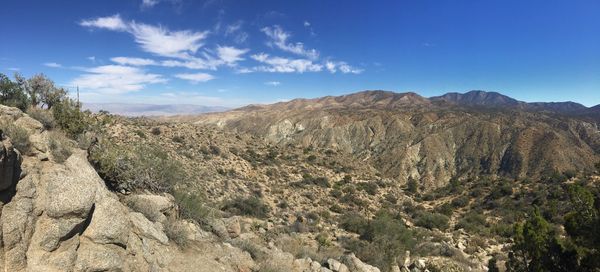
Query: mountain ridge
x=407, y=136
x=390, y=99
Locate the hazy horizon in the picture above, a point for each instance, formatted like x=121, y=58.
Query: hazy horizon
x=224, y=53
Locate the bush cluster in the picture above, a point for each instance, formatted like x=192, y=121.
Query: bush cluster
x=382, y=239
x=18, y=136
x=252, y=206
x=431, y=220
x=60, y=147
x=136, y=167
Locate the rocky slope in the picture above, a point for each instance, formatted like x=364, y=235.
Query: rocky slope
x=58, y=215
x=433, y=140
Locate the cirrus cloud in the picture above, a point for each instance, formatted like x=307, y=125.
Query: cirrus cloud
x=133, y=61
x=196, y=78
x=279, y=38
x=116, y=79
x=283, y=65
x=157, y=40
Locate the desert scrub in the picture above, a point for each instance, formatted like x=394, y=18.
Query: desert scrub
x=60, y=147
x=19, y=136
x=176, y=233
x=193, y=206
x=432, y=220
x=252, y=206
x=382, y=239
x=70, y=118
x=43, y=116
x=142, y=166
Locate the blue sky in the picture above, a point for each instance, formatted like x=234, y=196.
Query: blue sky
x=231, y=53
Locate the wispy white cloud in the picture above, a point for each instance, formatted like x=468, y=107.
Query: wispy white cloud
x=235, y=30
x=182, y=47
x=279, y=38
x=133, y=61
x=283, y=65
x=306, y=24
x=273, y=83
x=162, y=42
x=153, y=39
x=110, y=22
x=196, y=78
x=115, y=79
x=14, y=69
x=149, y=3
x=92, y=58
x=53, y=65
x=342, y=67
x=230, y=55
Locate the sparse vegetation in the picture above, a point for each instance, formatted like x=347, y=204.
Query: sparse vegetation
x=193, y=206
x=432, y=220
x=19, y=136
x=252, y=206
x=60, y=147
x=176, y=233
x=138, y=167
x=43, y=116
x=382, y=239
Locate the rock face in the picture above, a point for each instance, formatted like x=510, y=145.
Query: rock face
x=10, y=163
x=62, y=217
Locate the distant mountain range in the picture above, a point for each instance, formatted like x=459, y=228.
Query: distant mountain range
x=126, y=109
x=405, y=135
x=494, y=99
x=474, y=99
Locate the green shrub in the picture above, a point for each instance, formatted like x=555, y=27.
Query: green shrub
x=155, y=131
x=472, y=222
x=432, y=220
x=19, y=136
x=354, y=222
x=336, y=208
x=307, y=179
x=501, y=190
x=215, y=150
x=140, y=134
x=369, y=187
x=43, y=116
x=176, y=233
x=12, y=93
x=138, y=167
x=70, y=118
x=460, y=201
x=383, y=239
x=446, y=209
x=178, y=139
x=323, y=240
x=60, y=147
x=412, y=186
x=193, y=206
x=252, y=206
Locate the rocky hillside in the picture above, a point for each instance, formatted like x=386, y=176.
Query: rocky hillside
x=57, y=214
x=433, y=140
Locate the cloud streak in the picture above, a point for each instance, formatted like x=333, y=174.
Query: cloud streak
x=116, y=79
x=196, y=78
x=156, y=40
x=284, y=65
x=53, y=65
x=279, y=38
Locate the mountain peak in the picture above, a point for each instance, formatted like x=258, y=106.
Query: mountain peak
x=478, y=98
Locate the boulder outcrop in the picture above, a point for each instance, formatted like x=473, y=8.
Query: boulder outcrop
x=62, y=217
